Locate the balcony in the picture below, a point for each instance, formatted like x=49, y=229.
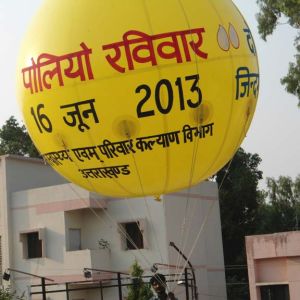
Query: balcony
x=87, y=258
x=70, y=198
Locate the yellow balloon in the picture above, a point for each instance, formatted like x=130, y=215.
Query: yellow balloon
x=132, y=98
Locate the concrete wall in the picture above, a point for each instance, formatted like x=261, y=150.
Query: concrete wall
x=44, y=202
x=193, y=224
x=54, y=210
x=39, y=208
x=19, y=173
x=152, y=212
x=274, y=259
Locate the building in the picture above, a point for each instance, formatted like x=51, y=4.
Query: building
x=54, y=229
x=274, y=266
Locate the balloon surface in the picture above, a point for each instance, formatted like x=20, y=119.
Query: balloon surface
x=133, y=98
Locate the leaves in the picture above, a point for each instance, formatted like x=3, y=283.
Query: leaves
x=239, y=202
x=139, y=290
x=14, y=139
x=292, y=79
x=271, y=12
x=6, y=293
x=246, y=210
x=282, y=212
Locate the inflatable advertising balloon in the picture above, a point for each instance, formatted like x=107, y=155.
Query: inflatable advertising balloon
x=133, y=98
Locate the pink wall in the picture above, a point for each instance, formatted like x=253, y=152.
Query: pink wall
x=274, y=259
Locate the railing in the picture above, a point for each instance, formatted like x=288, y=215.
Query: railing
x=117, y=280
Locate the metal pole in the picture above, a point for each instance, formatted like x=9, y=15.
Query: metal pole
x=101, y=290
x=29, y=292
x=186, y=283
x=30, y=274
x=119, y=286
x=193, y=289
x=67, y=290
x=192, y=269
x=43, y=288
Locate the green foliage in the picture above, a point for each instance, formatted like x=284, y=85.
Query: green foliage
x=246, y=210
x=282, y=212
x=238, y=291
x=292, y=79
x=14, y=139
x=271, y=12
x=6, y=293
x=240, y=201
x=139, y=290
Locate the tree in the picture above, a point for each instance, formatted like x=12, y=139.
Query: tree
x=271, y=12
x=14, y=139
x=6, y=293
x=240, y=200
x=282, y=212
x=138, y=290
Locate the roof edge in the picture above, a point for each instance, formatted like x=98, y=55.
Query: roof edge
x=23, y=158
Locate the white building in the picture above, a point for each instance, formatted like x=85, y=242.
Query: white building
x=52, y=228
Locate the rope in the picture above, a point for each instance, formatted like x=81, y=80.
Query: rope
x=243, y=133
x=167, y=153
x=186, y=224
x=147, y=208
x=197, y=238
x=184, y=227
x=118, y=227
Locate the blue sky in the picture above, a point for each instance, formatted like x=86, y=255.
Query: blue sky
x=274, y=133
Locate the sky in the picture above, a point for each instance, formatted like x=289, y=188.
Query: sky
x=274, y=132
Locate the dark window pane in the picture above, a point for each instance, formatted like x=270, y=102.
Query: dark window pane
x=275, y=292
x=135, y=237
x=34, y=245
x=74, y=239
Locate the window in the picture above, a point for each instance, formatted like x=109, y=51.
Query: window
x=33, y=243
x=74, y=239
x=135, y=235
x=275, y=292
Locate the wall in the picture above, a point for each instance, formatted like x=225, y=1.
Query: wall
x=45, y=201
x=124, y=210
x=193, y=224
x=18, y=173
x=274, y=259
